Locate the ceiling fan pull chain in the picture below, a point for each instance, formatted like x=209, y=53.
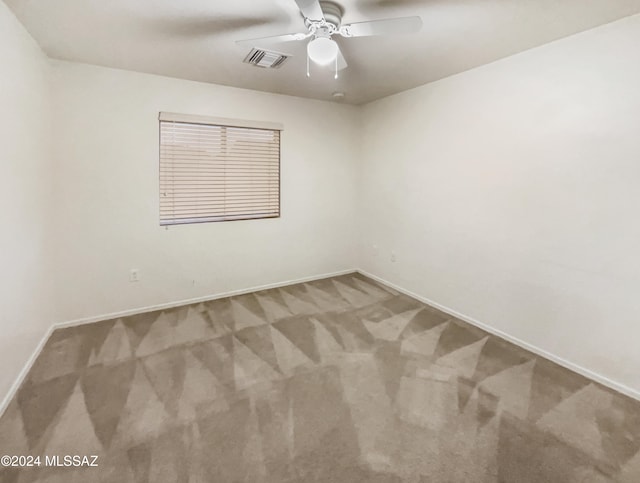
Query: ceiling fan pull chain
x=336, y=76
x=308, y=73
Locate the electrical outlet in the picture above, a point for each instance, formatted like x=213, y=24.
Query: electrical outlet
x=393, y=256
x=134, y=275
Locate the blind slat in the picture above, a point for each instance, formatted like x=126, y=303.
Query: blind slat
x=204, y=146
x=228, y=184
x=171, y=171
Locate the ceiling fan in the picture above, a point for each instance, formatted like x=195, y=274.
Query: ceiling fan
x=323, y=20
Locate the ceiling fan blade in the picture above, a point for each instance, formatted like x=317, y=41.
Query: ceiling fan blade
x=342, y=63
x=403, y=25
x=271, y=40
x=310, y=9
x=390, y=3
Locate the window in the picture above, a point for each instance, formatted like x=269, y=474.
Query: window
x=218, y=169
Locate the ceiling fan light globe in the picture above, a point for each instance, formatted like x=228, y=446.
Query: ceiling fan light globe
x=322, y=50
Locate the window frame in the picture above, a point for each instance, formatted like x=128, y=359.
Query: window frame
x=222, y=123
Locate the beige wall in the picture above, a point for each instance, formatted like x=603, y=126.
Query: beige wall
x=511, y=194
x=25, y=272
x=106, y=183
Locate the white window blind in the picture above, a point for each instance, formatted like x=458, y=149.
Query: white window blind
x=217, y=170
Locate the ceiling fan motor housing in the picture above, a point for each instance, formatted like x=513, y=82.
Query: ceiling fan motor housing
x=332, y=14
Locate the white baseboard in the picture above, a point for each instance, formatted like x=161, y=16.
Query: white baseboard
x=125, y=313
x=536, y=350
x=605, y=381
x=197, y=300
x=13, y=390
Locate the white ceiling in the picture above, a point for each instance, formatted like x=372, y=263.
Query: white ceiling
x=194, y=39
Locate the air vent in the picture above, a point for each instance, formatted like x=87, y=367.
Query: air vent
x=265, y=58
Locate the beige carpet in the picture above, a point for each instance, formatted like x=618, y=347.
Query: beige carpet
x=338, y=380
